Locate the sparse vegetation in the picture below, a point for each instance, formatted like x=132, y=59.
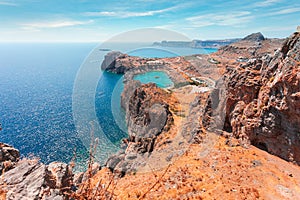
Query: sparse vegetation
x=91, y=189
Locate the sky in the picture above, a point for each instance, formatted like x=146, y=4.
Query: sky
x=98, y=20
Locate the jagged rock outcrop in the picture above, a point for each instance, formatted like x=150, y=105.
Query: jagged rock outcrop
x=147, y=116
x=259, y=102
x=120, y=63
x=128, y=92
x=8, y=157
x=109, y=61
x=30, y=179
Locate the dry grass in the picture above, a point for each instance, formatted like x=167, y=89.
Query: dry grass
x=91, y=189
x=158, y=182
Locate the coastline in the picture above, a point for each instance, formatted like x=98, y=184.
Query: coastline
x=185, y=141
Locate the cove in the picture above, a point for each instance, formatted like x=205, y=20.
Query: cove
x=160, y=78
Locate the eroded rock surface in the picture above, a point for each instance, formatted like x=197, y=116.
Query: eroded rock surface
x=260, y=101
x=109, y=62
x=147, y=116
x=30, y=179
x=8, y=157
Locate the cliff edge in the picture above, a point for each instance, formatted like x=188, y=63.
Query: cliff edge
x=261, y=101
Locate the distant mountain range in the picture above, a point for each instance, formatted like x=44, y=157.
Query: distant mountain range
x=196, y=43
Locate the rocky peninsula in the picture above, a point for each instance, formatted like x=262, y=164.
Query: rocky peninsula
x=227, y=129
x=197, y=44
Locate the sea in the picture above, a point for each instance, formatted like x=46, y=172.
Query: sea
x=37, y=86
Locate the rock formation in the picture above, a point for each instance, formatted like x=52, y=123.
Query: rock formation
x=9, y=156
x=147, y=116
x=30, y=179
x=33, y=180
x=109, y=61
x=260, y=101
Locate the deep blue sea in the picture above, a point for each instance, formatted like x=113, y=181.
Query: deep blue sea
x=36, y=87
x=36, y=83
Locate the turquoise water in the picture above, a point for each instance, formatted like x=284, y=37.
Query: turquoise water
x=161, y=79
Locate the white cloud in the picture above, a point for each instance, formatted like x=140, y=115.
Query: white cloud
x=286, y=11
x=266, y=3
x=7, y=3
x=127, y=14
x=56, y=24
x=231, y=19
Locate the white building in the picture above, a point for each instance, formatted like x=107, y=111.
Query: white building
x=155, y=62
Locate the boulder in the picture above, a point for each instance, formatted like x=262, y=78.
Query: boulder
x=8, y=157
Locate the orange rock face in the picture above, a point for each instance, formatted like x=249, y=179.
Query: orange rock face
x=261, y=101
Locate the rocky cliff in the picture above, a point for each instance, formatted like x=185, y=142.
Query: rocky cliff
x=147, y=116
x=260, y=101
x=109, y=62
x=30, y=179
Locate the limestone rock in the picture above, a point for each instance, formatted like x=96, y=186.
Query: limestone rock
x=110, y=60
x=30, y=179
x=61, y=173
x=147, y=116
x=8, y=157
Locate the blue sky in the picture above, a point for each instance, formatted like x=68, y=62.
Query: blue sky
x=98, y=20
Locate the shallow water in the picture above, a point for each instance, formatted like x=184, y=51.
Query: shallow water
x=160, y=78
